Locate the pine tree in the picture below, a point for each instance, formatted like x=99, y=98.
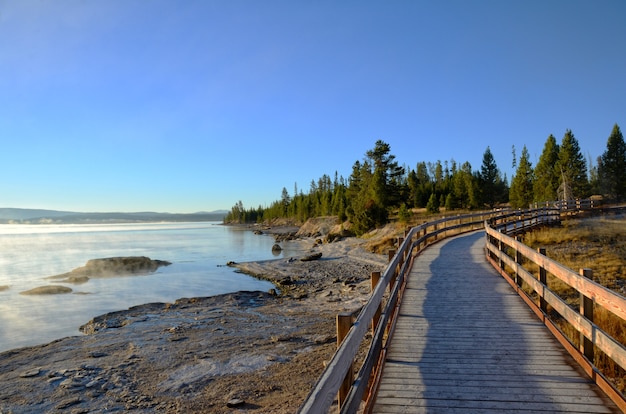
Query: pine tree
x=420, y=185
x=285, y=200
x=572, y=166
x=491, y=183
x=387, y=175
x=404, y=214
x=433, y=204
x=546, y=176
x=521, y=192
x=612, y=172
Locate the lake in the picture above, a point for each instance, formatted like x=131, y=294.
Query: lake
x=198, y=252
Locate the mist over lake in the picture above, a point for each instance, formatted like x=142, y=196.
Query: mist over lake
x=197, y=251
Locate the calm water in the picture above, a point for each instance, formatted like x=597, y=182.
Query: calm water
x=198, y=251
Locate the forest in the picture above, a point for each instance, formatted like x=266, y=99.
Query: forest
x=379, y=188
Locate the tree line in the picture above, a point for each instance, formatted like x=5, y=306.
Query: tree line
x=378, y=186
x=562, y=173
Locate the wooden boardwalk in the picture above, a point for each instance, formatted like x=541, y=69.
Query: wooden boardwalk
x=466, y=343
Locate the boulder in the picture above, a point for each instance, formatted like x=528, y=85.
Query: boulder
x=311, y=257
x=47, y=290
x=111, y=267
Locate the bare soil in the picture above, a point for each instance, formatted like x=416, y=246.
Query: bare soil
x=243, y=352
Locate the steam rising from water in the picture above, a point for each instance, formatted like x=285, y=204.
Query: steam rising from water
x=29, y=253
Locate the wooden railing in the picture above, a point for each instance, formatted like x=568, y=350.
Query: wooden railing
x=569, y=205
x=513, y=259
x=338, y=381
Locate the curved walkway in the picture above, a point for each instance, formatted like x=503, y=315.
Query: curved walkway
x=465, y=342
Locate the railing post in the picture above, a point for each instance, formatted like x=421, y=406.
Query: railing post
x=518, y=261
x=375, y=279
x=586, y=309
x=344, y=323
x=403, y=258
x=392, y=282
x=501, y=249
x=543, y=304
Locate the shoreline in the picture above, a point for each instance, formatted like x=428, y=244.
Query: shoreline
x=201, y=354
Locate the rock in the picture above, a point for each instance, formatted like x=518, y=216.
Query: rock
x=112, y=267
x=311, y=257
x=97, y=354
x=47, y=290
x=68, y=403
x=276, y=248
x=31, y=373
x=235, y=402
x=286, y=281
x=77, y=280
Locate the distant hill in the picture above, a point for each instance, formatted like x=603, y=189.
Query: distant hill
x=38, y=216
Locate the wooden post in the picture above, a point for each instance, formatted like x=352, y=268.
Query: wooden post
x=543, y=304
x=375, y=279
x=518, y=260
x=344, y=323
x=392, y=282
x=501, y=249
x=586, y=309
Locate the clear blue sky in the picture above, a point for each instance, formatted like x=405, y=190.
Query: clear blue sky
x=183, y=106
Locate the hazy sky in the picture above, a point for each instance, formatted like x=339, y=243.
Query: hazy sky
x=182, y=106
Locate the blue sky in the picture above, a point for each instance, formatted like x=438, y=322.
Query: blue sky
x=184, y=106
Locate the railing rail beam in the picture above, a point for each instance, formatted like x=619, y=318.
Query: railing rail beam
x=380, y=319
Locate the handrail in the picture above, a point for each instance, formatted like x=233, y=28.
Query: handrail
x=392, y=280
x=323, y=394
x=498, y=248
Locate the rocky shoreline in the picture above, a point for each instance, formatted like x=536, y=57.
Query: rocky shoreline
x=218, y=354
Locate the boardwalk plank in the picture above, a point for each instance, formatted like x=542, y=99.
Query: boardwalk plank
x=465, y=342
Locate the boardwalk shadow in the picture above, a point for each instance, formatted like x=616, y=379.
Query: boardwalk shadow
x=465, y=342
x=477, y=354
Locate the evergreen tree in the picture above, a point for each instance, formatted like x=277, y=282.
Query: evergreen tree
x=491, y=184
x=433, y=204
x=374, y=187
x=612, y=172
x=572, y=166
x=386, y=175
x=546, y=175
x=419, y=184
x=404, y=214
x=450, y=203
x=521, y=192
x=285, y=201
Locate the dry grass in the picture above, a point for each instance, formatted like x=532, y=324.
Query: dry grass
x=598, y=244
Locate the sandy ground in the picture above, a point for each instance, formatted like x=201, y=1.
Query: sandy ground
x=244, y=352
